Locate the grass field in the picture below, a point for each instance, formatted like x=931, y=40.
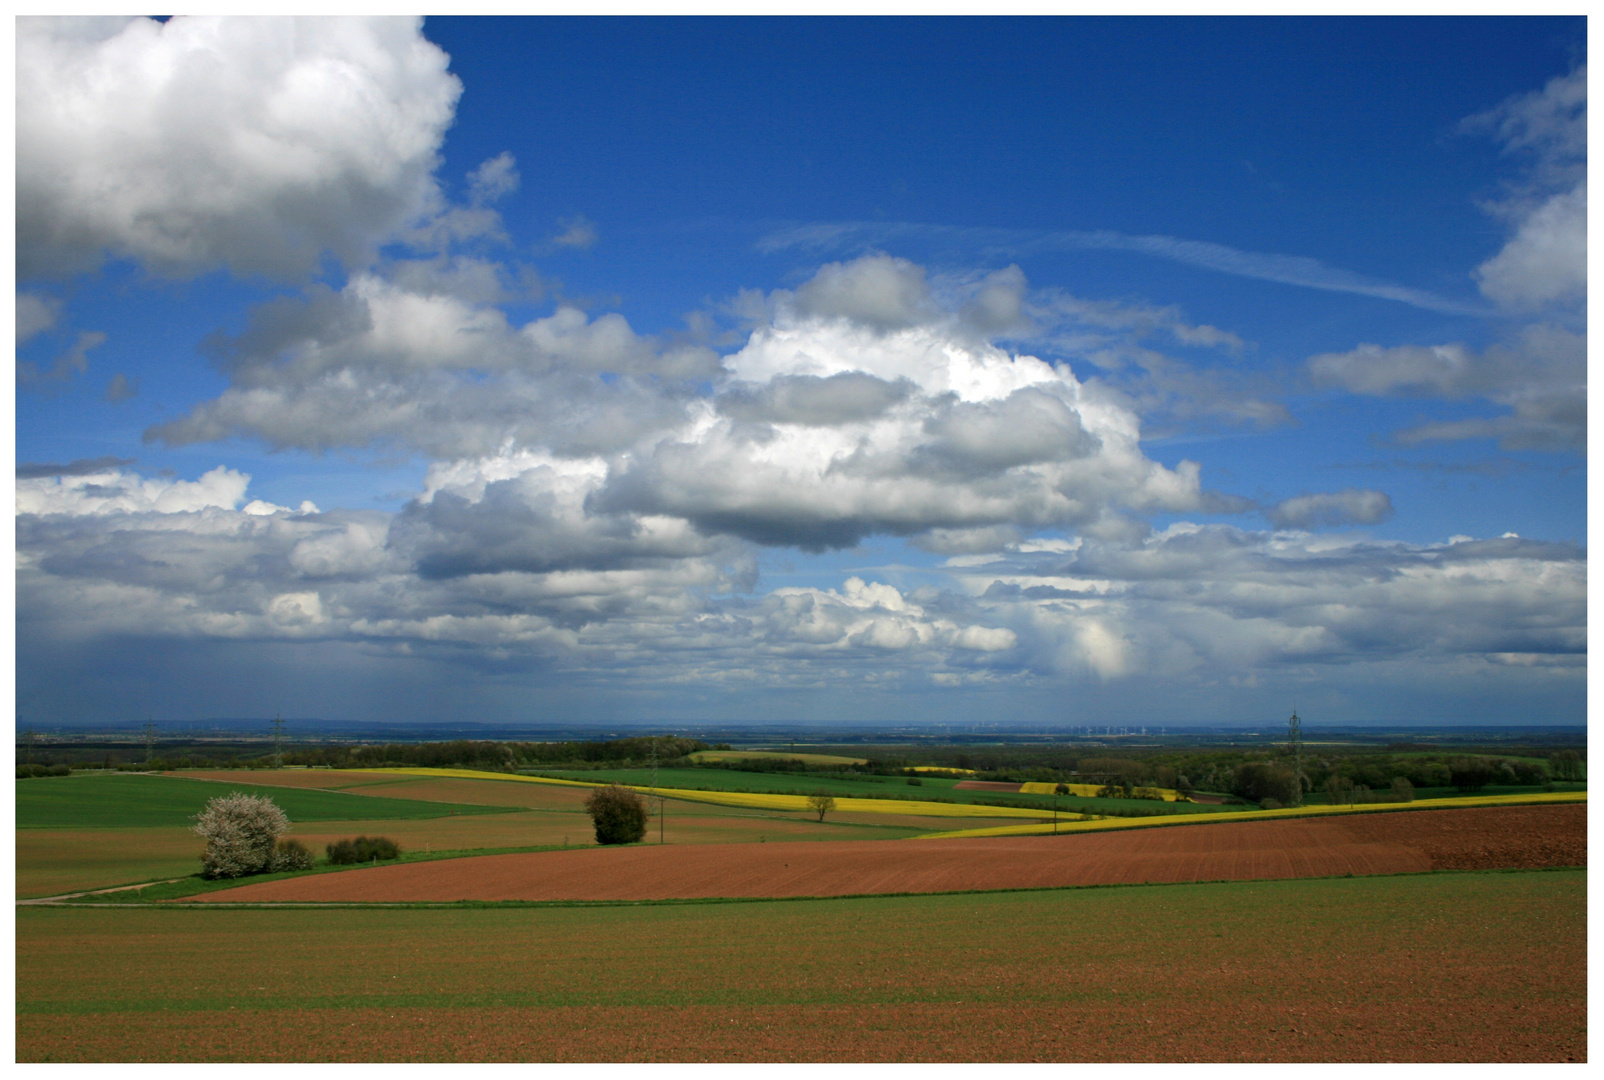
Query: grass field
x=123, y=800
x=1474, y=966
x=770, y=755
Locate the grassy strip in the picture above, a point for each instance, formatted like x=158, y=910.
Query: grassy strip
x=195, y=885
x=1107, y=824
x=696, y=901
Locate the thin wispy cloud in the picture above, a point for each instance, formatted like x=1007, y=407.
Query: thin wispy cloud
x=1297, y=270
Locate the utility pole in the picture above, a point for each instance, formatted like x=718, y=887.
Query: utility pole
x=278, y=735
x=150, y=738
x=1295, y=746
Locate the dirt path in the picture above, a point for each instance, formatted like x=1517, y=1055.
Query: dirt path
x=47, y=901
x=1523, y=836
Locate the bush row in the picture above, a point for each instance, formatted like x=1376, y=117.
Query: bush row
x=27, y=772
x=362, y=849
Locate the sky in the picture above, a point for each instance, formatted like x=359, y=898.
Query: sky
x=1071, y=372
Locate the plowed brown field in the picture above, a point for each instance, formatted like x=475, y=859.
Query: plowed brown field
x=1382, y=843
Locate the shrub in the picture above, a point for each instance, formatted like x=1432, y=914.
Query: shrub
x=1402, y=789
x=618, y=813
x=291, y=855
x=362, y=849
x=25, y=772
x=241, y=832
x=1269, y=804
x=914, y=781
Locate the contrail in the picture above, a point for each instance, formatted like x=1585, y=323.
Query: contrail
x=1284, y=269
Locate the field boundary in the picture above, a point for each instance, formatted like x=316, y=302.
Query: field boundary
x=1468, y=802
x=262, y=905
x=764, y=800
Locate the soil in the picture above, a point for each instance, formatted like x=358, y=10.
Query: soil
x=985, y=785
x=1522, y=837
x=1413, y=967
x=1220, y=1030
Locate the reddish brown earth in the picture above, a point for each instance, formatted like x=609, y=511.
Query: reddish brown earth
x=985, y=785
x=1213, y=1029
x=1381, y=843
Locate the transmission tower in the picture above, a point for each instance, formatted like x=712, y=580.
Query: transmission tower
x=1295, y=748
x=150, y=738
x=654, y=791
x=278, y=735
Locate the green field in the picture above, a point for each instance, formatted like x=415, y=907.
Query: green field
x=124, y=800
x=869, y=787
x=1479, y=966
x=771, y=755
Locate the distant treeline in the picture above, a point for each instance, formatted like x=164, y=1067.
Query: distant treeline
x=458, y=753
x=502, y=756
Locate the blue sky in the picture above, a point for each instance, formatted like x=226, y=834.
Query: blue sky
x=1062, y=371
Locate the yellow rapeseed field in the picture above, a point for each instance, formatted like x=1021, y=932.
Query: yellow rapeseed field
x=758, y=800
x=1103, y=824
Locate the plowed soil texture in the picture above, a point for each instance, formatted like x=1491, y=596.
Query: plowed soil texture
x=1488, y=966
x=1383, y=843
x=985, y=785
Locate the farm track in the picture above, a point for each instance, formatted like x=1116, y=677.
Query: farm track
x=1518, y=837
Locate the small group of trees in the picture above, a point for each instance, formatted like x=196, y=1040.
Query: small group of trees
x=1262, y=781
x=28, y=772
x=243, y=837
x=1344, y=792
x=1567, y=765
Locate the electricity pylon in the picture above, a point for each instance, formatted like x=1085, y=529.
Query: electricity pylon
x=1295, y=747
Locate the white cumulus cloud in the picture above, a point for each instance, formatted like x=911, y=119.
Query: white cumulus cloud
x=251, y=144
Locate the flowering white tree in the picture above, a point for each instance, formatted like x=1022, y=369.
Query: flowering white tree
x=241, y=832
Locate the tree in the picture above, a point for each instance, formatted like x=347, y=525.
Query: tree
x=1471, y=774
x=1259, y=780
x=618, y=813
x=241, y=832
x=1402, y=789
x=1567, y=765
x=821, y=804
x=1340, y=789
